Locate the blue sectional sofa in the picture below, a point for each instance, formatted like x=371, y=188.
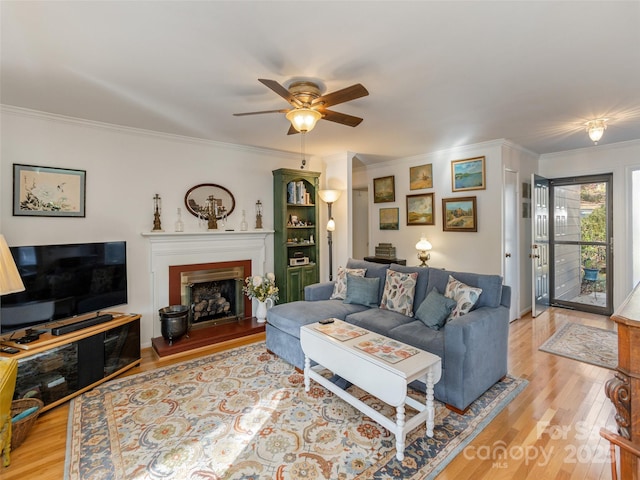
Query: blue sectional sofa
x=473, y=347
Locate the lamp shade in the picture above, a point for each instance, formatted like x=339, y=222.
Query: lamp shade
x=596, y=129
x=329, y=196
x=331, y=225
x=423, y=244
x=303, y=119
x=10, y=281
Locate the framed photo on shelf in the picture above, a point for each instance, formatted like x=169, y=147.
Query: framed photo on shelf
x=468, y=174
x=384, y=189
x=389, y=219
x=420, y=209
x=48, y=191
x=459, y=214
x=421, y=177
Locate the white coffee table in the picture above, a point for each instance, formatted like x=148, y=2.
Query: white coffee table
x=386, y=379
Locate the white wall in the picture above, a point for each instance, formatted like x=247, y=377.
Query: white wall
x=620, y=159
x=465, y=251
x=525, y=163
x=125, y=168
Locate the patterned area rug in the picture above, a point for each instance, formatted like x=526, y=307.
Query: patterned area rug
x=244, y=414
x=586, y=344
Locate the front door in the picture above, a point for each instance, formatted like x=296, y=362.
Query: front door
x=540, y=246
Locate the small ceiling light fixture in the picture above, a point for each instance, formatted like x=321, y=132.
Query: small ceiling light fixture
x=303, y=119
x=596, y=128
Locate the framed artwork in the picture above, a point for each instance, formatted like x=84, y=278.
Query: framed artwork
x=459, y=214
x=384, y=189
x=48, y=191
x=389, y=219
x=468, y=174
x=421, y=177
x=420, y=209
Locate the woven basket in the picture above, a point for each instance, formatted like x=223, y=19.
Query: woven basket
x=20, y=429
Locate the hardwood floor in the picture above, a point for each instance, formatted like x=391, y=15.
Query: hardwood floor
x=549, y=431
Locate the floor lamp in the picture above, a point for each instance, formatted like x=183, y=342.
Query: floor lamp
x=330, y=196
x=10, y=281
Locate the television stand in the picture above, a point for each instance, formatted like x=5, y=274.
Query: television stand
x=58, y=368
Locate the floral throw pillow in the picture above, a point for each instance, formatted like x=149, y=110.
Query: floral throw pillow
x=464, y=295
x=399, y=289
x=340, y=288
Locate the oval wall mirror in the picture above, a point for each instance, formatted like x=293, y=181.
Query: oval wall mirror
x=197, y=198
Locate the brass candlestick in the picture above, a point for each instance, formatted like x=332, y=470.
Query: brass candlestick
x=212, y=223
x=157, y=208
x=258, y=215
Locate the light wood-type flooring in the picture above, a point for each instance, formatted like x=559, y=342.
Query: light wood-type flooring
x=550, y=431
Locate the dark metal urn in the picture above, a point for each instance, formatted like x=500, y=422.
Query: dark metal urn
x=174, y=322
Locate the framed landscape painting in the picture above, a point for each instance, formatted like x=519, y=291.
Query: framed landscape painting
x=384, y=189
x=459, y=214
x=421, y=177
x=48, y=191
x=389, y=219
x=468, y=174
x=420, y=209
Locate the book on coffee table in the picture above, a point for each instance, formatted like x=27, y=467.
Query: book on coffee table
x=387, y=349
x=340, y=330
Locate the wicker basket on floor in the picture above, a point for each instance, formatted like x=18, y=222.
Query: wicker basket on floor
x=20, y=429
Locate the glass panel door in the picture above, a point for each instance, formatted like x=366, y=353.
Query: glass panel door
x=581, y=238
x=540, y=247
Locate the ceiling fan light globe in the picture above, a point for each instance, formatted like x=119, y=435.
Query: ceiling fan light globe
x=303, y=119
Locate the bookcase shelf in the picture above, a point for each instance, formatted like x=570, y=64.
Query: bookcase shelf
x=292, y=240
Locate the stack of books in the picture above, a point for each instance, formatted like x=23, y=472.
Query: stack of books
x=297, y=193
x=386, y=250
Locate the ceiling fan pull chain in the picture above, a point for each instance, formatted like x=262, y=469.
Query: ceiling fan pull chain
x=304, y=161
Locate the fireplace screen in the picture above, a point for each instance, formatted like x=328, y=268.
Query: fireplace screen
x=214, y=296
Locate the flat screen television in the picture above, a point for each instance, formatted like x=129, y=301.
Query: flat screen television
x=62, y=281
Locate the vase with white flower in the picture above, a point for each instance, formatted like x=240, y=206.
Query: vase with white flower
x=264, y=290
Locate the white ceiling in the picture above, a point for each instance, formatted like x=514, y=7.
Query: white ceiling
x=440, y=74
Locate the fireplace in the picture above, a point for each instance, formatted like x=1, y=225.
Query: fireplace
x=213, y=291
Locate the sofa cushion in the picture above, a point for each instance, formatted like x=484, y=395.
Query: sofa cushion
x=435, y=309
x=374, y=270
x=340, y=288
x=378, y=320
x=417, y=334
x=362, y=291
x=421, y=282
x=464, y=295
x=289, y=317
x=399, y=290
x=491, y=285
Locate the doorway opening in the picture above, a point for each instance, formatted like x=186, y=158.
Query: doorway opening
x=580, y=240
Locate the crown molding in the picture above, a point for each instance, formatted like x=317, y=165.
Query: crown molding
x=54, y=117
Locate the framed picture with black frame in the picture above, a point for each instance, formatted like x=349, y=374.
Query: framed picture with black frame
x=48, y=191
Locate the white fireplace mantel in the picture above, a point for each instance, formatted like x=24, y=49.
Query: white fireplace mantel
x=186, y=248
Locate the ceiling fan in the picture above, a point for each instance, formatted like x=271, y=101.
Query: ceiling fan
x=309, y=106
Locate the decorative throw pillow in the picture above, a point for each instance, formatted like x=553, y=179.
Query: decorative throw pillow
x=464, y=295
x=398, y=292
x=435, y=309
x=361, y=290
x=340, y=288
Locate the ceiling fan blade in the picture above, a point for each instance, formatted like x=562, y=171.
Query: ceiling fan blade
x=342, y=118
x=258, y=113
x=292, y=131
x=341, y=96
x=280, y=90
